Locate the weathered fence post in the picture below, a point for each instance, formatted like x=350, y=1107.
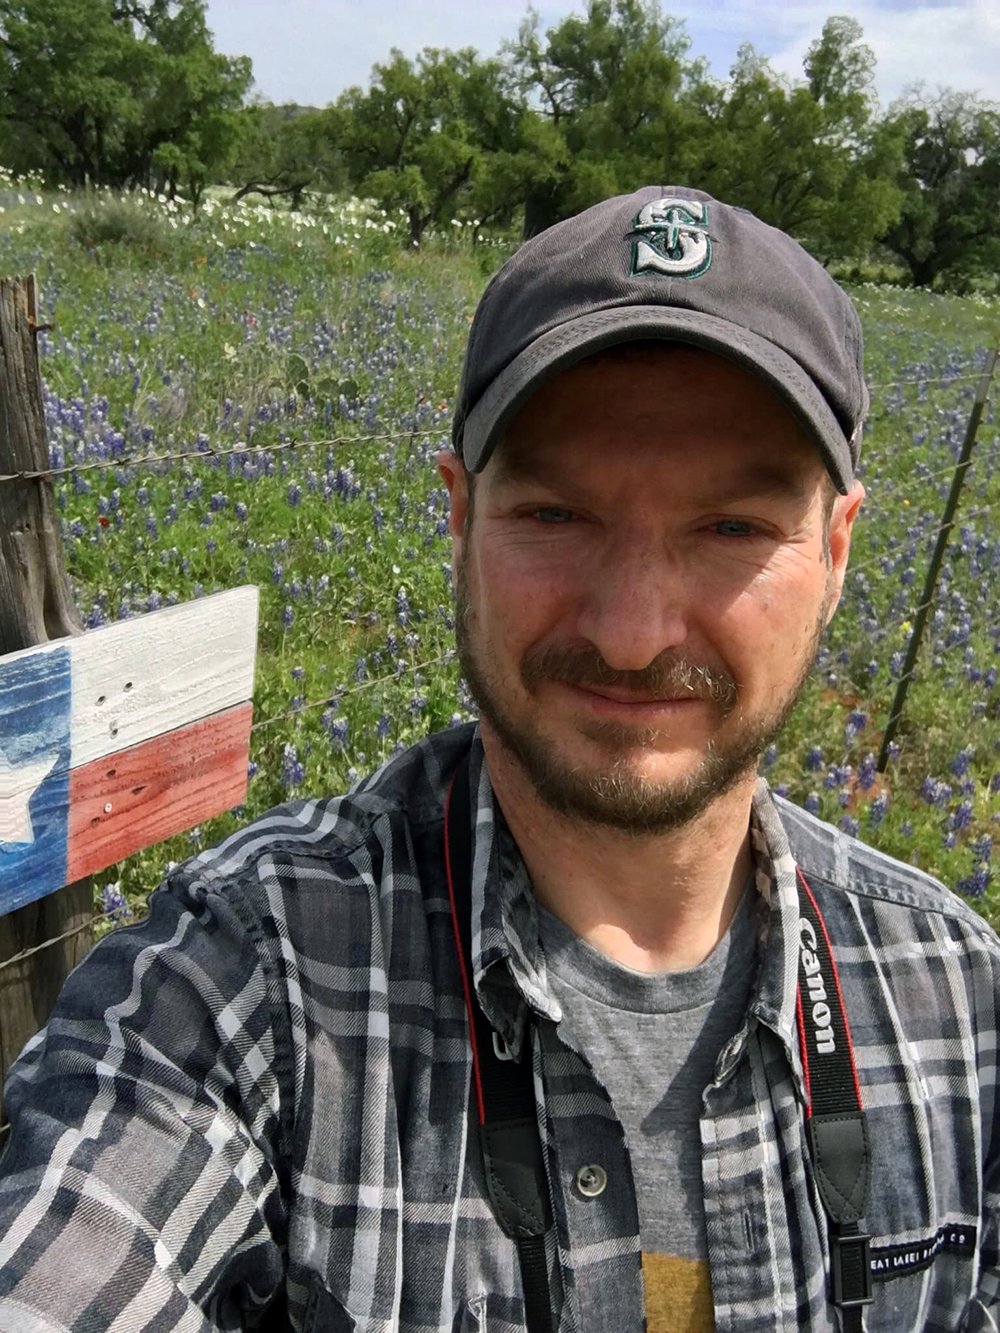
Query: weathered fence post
x=934, y=568
x=35, y=606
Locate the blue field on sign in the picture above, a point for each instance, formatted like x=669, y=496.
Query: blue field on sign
x=35, y=696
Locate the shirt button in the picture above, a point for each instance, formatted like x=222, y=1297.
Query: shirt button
x=591, y=1180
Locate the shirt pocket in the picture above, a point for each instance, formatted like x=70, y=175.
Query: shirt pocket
x=326, y=1314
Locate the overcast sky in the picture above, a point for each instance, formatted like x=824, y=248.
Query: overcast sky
x=308, y=51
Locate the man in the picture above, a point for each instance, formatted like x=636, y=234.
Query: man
x=560, y=1020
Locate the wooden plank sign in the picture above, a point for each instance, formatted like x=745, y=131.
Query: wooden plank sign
x=115, y=739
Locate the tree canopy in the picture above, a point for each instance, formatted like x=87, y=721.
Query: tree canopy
x=127, y=93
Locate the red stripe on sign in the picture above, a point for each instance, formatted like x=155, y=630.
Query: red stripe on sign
x=156, y=789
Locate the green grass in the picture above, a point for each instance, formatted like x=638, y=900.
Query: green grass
x=256, y=327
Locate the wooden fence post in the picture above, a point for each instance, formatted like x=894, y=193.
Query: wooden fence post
x=36, y=606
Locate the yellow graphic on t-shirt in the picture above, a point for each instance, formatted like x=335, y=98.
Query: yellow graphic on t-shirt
x=678, y=1294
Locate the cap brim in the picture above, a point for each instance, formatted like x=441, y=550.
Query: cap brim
x=569, y=343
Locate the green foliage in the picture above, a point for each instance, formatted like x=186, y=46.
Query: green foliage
x=612, y=85
x=130, y=94
x=97, y=93
x=120, y=223
x=285, y=152
x=947, y=230
x=425, y=131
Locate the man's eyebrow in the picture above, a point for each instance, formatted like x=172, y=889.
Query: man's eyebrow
x=753, y=481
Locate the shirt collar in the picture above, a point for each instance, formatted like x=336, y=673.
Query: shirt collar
x=509, y=966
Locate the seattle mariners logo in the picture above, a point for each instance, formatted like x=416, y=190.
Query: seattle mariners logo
x=674, y=239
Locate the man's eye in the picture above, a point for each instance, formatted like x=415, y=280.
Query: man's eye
x=734, y=527
x=551, y=509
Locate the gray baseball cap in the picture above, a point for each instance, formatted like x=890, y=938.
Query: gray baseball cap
x=667, y=262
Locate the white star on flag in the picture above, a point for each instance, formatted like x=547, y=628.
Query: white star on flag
x=16, y=789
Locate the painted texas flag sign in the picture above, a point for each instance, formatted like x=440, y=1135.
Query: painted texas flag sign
x=118, y=738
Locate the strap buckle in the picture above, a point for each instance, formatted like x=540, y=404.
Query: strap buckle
x=500, y=1048
x=852, y=1270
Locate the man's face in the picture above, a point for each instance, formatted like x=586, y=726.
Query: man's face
x=652, y=527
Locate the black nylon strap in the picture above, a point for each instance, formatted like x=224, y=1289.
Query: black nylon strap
x=836, y=1126
x=504, y=1094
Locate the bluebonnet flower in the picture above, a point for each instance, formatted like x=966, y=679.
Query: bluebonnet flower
x=218, y=501
x=337, y=727
x=877, y=809
x=242, y=513
x=961, y=817
x=384, y=723
x=293, y=771
x=866, y=772
x=960, y=764
x=768, y=757
x=287, y=617
x=811, y=803
x=982, y=848
x=977, y=883
x=950, y=840
x=114, y=902
x=781, y=789
x=294, y=495
x=849, y=825
x=360, y=670
x=252, y=770
x=298, y=672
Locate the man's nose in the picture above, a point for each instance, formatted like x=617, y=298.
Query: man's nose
x=635, y=606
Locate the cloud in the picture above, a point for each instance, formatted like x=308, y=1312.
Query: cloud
x=952, y=45
x=310, y=50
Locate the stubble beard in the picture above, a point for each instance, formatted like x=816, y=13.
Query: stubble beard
x=617, y=797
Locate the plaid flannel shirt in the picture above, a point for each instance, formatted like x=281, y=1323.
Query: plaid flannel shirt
x=252, y=1109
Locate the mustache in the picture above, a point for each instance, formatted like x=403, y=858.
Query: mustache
x=666, y=677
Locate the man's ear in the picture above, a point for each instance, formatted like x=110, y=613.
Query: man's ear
x=452, y=470
x=845, y=511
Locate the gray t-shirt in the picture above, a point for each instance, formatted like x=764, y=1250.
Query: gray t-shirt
x=653, y=1040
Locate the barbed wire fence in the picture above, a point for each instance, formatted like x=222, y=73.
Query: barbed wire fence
x=245, y=449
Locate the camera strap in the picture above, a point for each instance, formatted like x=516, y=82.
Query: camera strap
x=508, y=1127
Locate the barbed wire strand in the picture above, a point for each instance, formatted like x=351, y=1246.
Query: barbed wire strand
x=336, y=695
x=959, y=519
x=57, y=939
x=948, y=379
x=243, y=449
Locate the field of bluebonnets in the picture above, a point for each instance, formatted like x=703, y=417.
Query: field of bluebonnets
x=251, y=329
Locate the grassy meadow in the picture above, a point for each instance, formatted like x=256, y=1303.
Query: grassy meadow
x=257, y=328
